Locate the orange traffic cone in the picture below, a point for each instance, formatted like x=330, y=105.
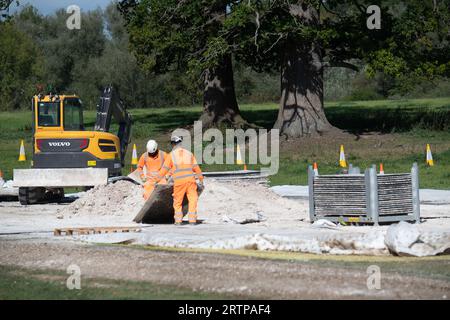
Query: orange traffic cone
x=381, y=168
x=22, y=156
x=134, y=158
x=429, y=157
x=239, y=159
x=315, y=168
x=342, y=161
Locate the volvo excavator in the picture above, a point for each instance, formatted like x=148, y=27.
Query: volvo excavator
x=67, y=155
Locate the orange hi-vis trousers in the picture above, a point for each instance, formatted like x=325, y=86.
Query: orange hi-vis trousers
x=184, y=168
x=188, y=188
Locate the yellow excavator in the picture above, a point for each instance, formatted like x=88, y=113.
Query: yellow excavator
x=65, y=154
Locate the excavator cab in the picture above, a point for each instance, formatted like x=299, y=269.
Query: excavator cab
x=65, y=112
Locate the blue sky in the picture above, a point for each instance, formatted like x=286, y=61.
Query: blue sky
x=49, y=6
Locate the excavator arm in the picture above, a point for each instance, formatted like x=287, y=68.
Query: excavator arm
x=110, y=106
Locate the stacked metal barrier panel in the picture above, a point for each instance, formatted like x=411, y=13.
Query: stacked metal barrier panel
x=365, y=198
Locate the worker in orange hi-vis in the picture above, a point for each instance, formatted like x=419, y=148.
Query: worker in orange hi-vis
x=152, y=160
x=185, y=170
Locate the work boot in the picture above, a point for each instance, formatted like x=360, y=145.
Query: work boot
x=178, y=218
x=192, y=218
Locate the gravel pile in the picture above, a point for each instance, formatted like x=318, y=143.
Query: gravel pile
x=122, y=198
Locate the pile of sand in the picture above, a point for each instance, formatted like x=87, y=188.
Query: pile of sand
x=221, y=202
x=122, y=198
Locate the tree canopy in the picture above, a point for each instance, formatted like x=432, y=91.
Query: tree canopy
x=301, y=38
x=19, y=68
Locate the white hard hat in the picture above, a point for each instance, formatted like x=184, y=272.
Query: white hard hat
x=152, y=146
x=176, y=139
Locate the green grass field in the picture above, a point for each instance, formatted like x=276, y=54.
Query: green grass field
x=394, y=132
x=24, y=284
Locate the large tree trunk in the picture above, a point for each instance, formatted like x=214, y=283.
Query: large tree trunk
x=301, y=111
x=219, y=98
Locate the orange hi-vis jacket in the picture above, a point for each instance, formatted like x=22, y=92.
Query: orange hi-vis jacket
x=152, y=165
x=183, y=166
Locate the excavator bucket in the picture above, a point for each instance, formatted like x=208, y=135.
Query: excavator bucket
x=159, y=207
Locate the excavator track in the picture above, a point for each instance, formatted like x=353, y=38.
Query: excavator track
x=35, y=195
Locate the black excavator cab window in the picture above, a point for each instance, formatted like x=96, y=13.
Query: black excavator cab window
x=73, y=115
x=48, y=114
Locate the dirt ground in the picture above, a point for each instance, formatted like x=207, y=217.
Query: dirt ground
x=248, y=277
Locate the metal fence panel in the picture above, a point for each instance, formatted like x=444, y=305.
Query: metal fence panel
x=365, y=198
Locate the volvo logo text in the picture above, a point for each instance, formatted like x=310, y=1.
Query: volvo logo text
x=59, y=144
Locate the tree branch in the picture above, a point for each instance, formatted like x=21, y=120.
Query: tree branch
x=275, y=43
x=258, y=25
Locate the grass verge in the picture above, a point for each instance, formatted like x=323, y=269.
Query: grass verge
x=24, y=284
